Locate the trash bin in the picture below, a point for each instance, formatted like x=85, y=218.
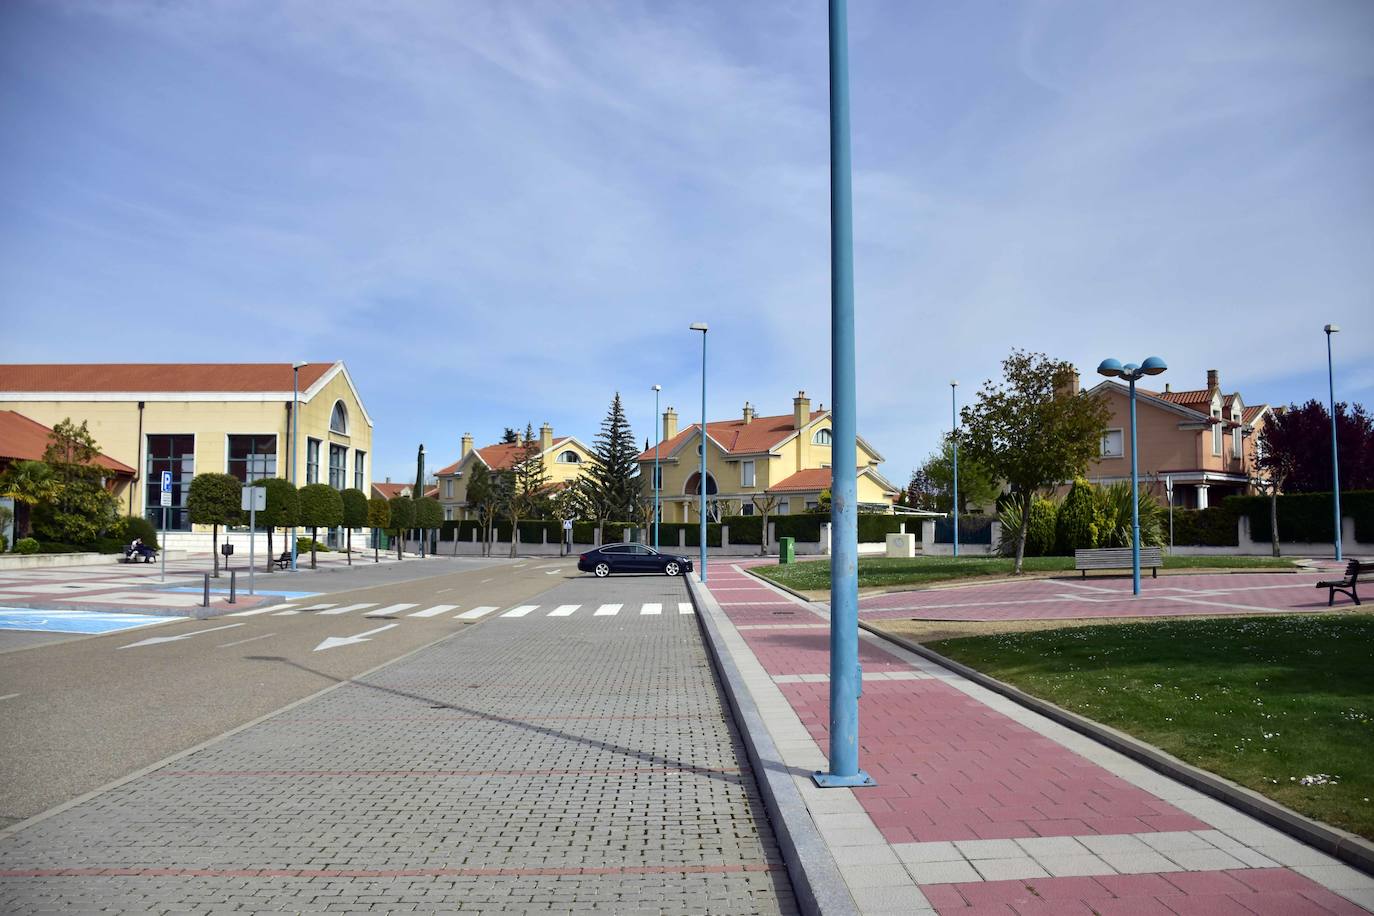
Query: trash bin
x=787, y=550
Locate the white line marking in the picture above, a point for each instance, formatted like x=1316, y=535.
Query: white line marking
x=348, y=609
x=336, y=641
x=308, y=607
x=608, y=610
x=434, y=611
x=389, y=610
x=548, y=567
x=261, y=610
x=484, y=582
x=520, y=565
x=520, y=611
x=242, y=641
x=553, y=572
x=9, y=696
x=651, y=609
x=564, y=610
x=684, y=607
x=161, y=639
x=476, y=612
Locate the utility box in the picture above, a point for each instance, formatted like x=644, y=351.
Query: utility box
x=901, y=545
x=787, y=550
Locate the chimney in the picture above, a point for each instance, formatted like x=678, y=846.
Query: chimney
x=1213, y=380
x=669, y=424
x=545, y=437
x=1167, y=388
x=467, y=446
x=801, y=410
x=748, y=413
x=388, y=480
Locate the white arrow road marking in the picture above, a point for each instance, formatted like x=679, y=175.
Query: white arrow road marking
x=607, y=610
x=434, y=611
x=9, y=696
x=651, y=609
x=261, y=610
x=159, y=639
x=553, y=572
x=348, y=609
x=389, y=610
x=335, y=641
x=684, y=607
x=520, y=611
x=564, y=610
x=476, y=612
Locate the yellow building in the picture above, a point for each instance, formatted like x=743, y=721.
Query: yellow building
x=756, y=461
x=195, y=418
x=564, y=459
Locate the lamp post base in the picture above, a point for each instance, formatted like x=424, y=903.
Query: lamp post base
x=831, y=781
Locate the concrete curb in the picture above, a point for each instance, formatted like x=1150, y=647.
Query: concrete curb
x=1347, y=847
x=816, y=879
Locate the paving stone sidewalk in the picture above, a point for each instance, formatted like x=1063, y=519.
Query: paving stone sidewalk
x=585, y=763
x=984, y=807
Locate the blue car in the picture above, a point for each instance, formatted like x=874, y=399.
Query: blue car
x=631, y=558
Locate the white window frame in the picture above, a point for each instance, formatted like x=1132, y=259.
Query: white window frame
x=822, y=433
x=746, y=508
x=360, y=470
x=1106, y=437
x=564, y=459
x=746, y=473
x=1216, y=436
x=338, y=406
x=312, y=469
x=1235, y=442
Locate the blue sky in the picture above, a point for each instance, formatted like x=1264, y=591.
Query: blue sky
x=504, y=212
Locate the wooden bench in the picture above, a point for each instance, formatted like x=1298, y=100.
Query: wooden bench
x=1117, y=558
x=284, y=560
x=1348, y=585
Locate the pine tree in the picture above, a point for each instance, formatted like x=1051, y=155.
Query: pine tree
x=612, y=475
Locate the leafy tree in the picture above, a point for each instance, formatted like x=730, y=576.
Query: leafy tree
x=283, y=511
x=1074, y=527
x=215, y=499
x=402, y=519
x=1030, y=430
x=1276, y=459
x=612, y=474
x=522, y=487
x=321, y=507
x=378, y=516
x=936, y=476
x=28, y=483
x=354, y=514
x=511, y=436
x=429, y=515
x=482, y=498
x=1303, y=436
x=82, y=509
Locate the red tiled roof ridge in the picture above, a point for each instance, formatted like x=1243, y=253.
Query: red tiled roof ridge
x=758, y=435
x=25, y=439
x=147, y=377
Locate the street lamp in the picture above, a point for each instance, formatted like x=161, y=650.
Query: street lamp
x=295, y=445
x=954, y=440
x=1335, y=468
x=701, y=482
x=1133, y=373
x=657, y=389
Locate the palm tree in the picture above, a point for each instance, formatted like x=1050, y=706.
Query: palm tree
x=28, y=483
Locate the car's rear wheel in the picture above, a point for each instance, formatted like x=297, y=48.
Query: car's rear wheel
x=672, y=569
x=602, y=570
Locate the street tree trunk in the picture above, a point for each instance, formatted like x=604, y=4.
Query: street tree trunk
x=313, y=531
x=271, y=557
x=375, y=557
x=214, y=546
x=1274, y=517
x=350, y=546
x=1021, y=537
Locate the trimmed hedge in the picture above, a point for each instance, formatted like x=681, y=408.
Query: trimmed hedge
x=744, y=529
x=874, y=527
x=804, y=528
x=1214, y=526
x=1306, y=517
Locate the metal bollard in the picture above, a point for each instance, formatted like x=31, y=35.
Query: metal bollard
x=205, y=600
x=233, y=584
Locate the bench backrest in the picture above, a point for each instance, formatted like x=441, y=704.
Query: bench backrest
x=1111, y=556
x=1355, y=567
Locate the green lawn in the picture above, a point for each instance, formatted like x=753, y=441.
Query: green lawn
x=814, y=575
x=1264, y=701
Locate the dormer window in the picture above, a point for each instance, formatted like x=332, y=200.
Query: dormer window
x=822, y=437
x=569, y=457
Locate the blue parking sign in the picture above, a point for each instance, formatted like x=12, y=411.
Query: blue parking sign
x=166, y=481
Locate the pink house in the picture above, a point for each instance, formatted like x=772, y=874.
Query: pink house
x=1201, y=440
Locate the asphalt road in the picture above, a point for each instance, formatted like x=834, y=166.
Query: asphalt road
x=80, y=713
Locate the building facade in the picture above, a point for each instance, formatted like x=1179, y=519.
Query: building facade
x=565, y=459
x=781, y=462
x=1202, y=441
x=195, y=418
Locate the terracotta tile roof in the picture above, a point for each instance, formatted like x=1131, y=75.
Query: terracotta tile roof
x=735, y=436
x=148, y=377
x=432, y=494
x=22, y=439
x=391, y=490
x=499, y=457
x=809, y=479
x=1248, y=415
x=1201, y=398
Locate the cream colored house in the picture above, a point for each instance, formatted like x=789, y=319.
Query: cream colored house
x=195, y=418
x=783, y=460
x=565, y=459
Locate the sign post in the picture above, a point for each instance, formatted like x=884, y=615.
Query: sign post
x=165, y=499
x=1169, y=492
x=253, y=499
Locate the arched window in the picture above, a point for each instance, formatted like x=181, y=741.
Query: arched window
x=822, y=437
x=693, y=487
x=338, y=420
x=569, y=457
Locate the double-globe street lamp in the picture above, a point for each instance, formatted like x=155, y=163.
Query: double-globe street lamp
x=701, y=481
x=954, y=443
x=1133, y=373
x=657, y=389
x=1335, y=468
x=295, y=447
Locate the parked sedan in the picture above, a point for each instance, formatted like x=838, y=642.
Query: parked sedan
x=631, y=558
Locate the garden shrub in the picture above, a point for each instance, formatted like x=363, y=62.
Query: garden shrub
x=804, y=528
x=4, y=544
x=874, y=527
x=1306, y=517
x=1214, y=526
x=303, y=545
x=1074, y=527
x=26, y=545
x=1040, y=534
x=744, y=529
x=136, y=526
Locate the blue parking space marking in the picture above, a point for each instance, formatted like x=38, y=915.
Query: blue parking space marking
x=86, y=622
x=243, y=590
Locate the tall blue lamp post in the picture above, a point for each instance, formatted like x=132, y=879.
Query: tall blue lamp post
x=845, y=676
x=1335, y=468
x=701, y=481
x=1133, y=373
x=954, y=442
x=295, y=443
x=657, y=389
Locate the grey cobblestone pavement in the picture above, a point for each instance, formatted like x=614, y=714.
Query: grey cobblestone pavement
x=562, y=764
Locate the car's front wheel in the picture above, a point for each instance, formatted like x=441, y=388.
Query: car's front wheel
x=672, y=569
x=602, y=570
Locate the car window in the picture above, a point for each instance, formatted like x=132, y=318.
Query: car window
x=614, y=550
x=639, y=550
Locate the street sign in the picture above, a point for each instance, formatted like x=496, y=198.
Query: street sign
x=166, y=494
x=254, y=499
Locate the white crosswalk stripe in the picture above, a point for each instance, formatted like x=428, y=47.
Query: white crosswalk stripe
x=434, y=611
x=608, y=610
x=651, y=609
x=521, y=611
x=389, y=610
x=309, y=607
x=476, y=612
x=564, y=610
x=261, y=610
x=684, y=607
x=348, y=609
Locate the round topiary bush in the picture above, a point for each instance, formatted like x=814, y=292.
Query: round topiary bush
x=26, y=545
x=136, y=526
